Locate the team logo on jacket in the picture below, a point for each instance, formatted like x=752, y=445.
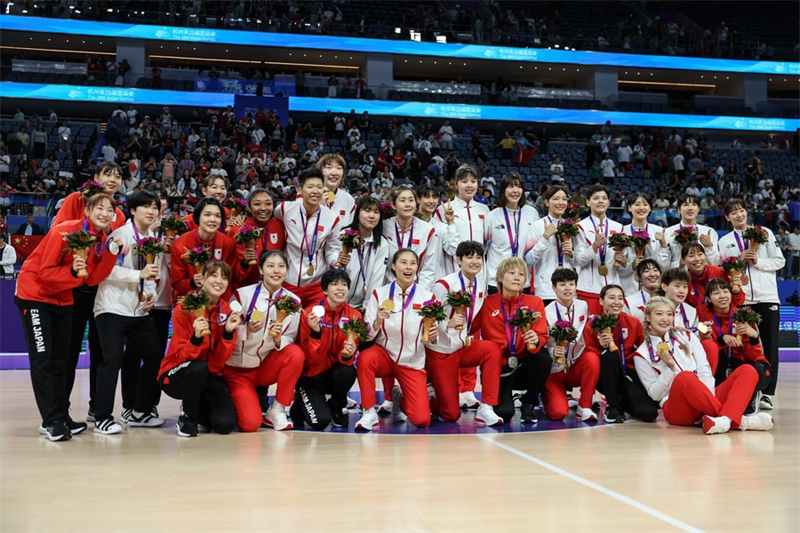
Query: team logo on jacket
x=495, y=312
x=218, y=254
x=341, y=212
x=273, y=238
x=624, y=333
x=223, y=317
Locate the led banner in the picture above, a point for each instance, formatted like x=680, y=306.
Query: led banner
x=354, y=44
x=400, y=109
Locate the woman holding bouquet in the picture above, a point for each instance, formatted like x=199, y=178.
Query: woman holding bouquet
x=516, y=323
x=368, y=268
x=689, y=207
x=329, y=355
x=763, y=259
x=508, y=226
x=672, y=367
x=546, y=249
x=194, y=249
x=650, y=242
x=45, y=299
x=265, y=353
x=271, y=233
x=614, y=336
x=693, y=256
x=204, y=337
x=394, y=313
x=739, y=340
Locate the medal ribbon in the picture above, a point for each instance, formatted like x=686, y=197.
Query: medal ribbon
x=313, y=248
x=603, y=249
x=513, y=240
x=571, y=316
x=558, y=243
x=622, y=350
x=407, y=301
x=511, y=333
x=720, y=333
x=471, y=311
x=397, y=232
x=364, y=265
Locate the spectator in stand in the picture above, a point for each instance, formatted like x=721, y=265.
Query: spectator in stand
x=607, y=169
x=39, y=139
x=5, y=165
x=446, y=136
x=64, y=137
x=8, y=258
x=624, y=153
x=156, y=80
x=29, y=227
x=506, y=146
x=557, y=171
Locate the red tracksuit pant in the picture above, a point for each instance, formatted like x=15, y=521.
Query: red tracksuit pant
x=309, y=295
x=689, y=399
x=584, y=373
x=283, y=367
x=443, y=371
x=712, y=354
x=373, y=363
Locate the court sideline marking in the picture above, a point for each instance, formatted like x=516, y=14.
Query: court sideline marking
x=594, y=486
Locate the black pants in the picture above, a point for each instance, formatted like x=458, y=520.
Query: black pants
x=764, y=371
x=45, y=330
x=530, y=375
x=140, y=334
x=625, y=391
x=132, y=362
x=83, y=313
x=309, y=398
x=770, y=330
x=205, y=396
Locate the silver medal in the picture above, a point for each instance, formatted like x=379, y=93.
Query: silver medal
x=513, y=362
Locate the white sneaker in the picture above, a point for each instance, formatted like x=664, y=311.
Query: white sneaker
x=351, y=403
x=385, y=408
x=398, y=416
x=585, y=414
x=107, y=427
x=431, y=391
x=571, y=401
x=756, y=422
x=467, y=400
x=368, y=421
x=147, y=420
x=716, y=424
x=276, y=417
x=485, y=416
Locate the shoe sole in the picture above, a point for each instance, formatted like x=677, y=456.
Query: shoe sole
x=43, y=432
x=182, y=434
x=108, y=432
x=589, y=419
x=480, y=422
x=613, y=420
x=56, y=438
x=146, y=424
x=78, y=431
x=270, y=425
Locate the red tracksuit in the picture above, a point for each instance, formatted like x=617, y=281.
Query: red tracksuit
x=273, y=238
x=489, y=322
x=697, y=289
x=214, y=349
x=747, y=353
x=189, y=219
x=222, y=248
x=74, y=208
x=628, y=336
x=323, y=349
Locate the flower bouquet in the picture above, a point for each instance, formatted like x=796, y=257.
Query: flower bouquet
x=576, y=211
x=351, y=240
x=567, y=229
x=431, y=312
x=387, y=210
x=197, y=302
x=149, y=247
x=639, y=241
x=236, y=206
x=197, y=257
x=91, y=188
x=746, y=315
x=459, y=301
x=248, y=235
x=734, y=267
x=284, y=307
x=79, y=243
x=524, y=319
x=618, y=241
x=604, y=324
x=563, y=333
x=357, y=331
x=173, y=225
x=686, y=235
x=757, y=236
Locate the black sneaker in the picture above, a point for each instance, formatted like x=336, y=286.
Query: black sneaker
x=527, y=413
x=766, y=403
x=263, y=399
x=339, y=419
x=90, y=416
x=57, y=431
x=752, y=407
x=186, y=427
x=75, y=427
x=614, y=415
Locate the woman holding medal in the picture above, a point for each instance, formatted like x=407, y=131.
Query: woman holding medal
x=546, y=250
x=672, y=367
x=312, y=238
x=639, y=206
x=329, y=357
x=209, y=217
x=44, y=296
x=124, y=300
x=508, y=227
x=392, y=313
x=368, y=269
x=407, y=232
x=739, y=344
x=200, y=346
x=526, y=364
x=618, y=380
x=265, y=351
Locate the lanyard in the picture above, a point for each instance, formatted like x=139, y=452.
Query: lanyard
x=513, y=240
x=697, y=289
x=335, y=322
x=685, y=318
x=407, y=301
x=469, y=218
x=571, y=316
x=511, y=333
x=141, y=261
x=622, y=350
x=558, y=243
x=364, y=265
x=471, y=311
x=645, y=230
x=313, y=248
x=264, y=234
x=721, y=333
x=397, y=232
x=252, y=306
x=603, y=249
x=741, y=246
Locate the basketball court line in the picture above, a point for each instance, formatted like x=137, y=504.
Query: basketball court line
x=594, y=486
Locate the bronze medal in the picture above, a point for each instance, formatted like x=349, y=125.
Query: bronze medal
x=310, y=270
x=602, y=270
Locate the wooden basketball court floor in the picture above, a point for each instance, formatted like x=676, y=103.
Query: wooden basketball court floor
x=632, y=477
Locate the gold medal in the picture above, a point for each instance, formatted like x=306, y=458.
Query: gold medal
x=256, y=316
x=468, y=342
x=702, y=328
x=331, y=197
x=602, y=270
x=387, y=305
x=662, y=346
x=310, y=270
